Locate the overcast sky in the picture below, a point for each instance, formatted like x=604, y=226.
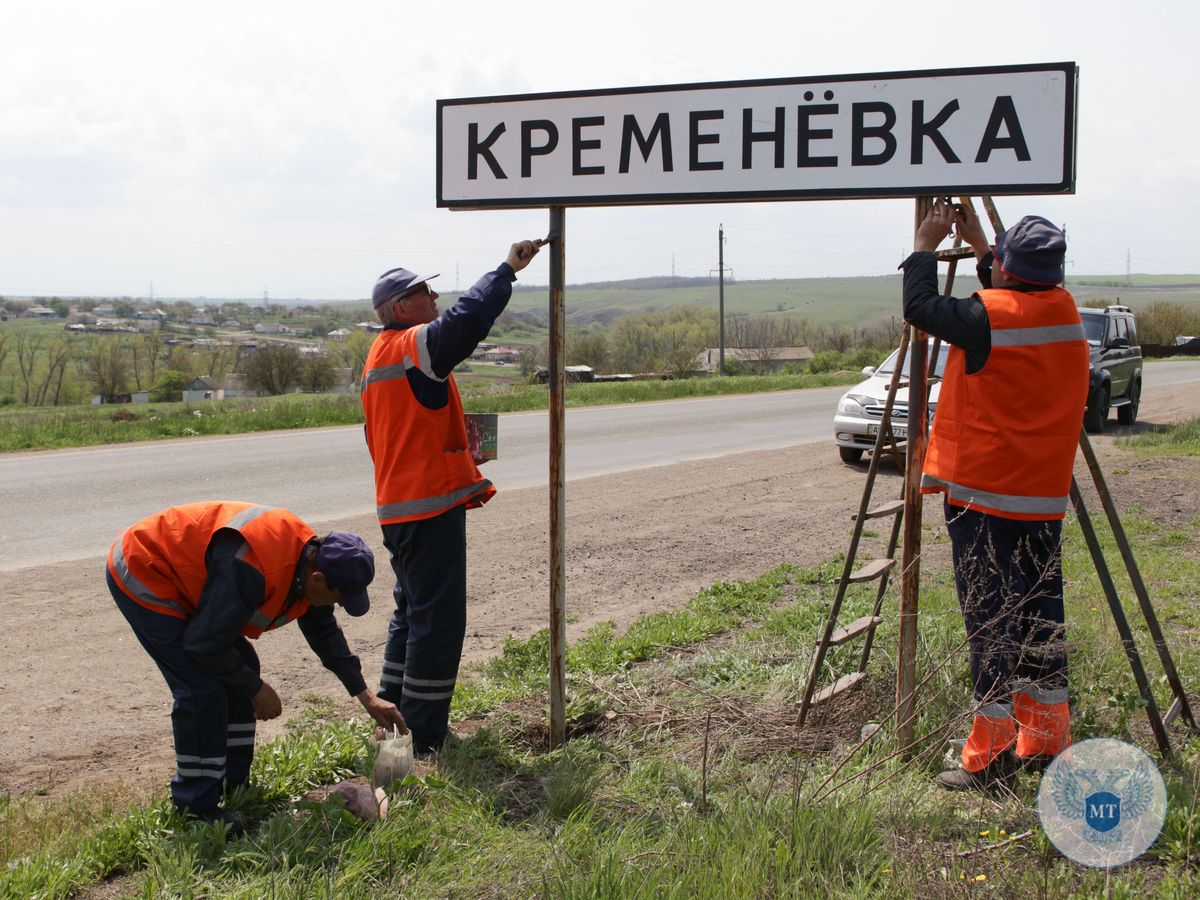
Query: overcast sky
x=227, y=149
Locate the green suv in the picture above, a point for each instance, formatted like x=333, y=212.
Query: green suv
x=1116, y=376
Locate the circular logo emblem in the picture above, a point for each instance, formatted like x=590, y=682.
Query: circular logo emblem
x=1102, y=802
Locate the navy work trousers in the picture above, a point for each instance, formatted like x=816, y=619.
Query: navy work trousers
x=425, y=636
x=1009, y=578
x=213, y=726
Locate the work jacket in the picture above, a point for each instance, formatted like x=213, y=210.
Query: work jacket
x=1004, y=437
x=422, y=465
x=159, y=561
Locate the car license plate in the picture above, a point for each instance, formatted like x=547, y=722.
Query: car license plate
x=898, y=431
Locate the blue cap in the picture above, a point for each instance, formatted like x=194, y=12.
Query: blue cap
x=1033, y=250
x=394, y=282
x=349, y=566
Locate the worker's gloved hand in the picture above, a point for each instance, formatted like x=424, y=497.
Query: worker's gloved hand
x=385, y=713
x=266, y=703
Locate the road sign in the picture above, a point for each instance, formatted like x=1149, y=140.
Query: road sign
x=996, y=130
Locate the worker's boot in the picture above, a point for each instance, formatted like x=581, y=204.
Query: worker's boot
x=1044, y=729
x=997, y=776
x=987, y=763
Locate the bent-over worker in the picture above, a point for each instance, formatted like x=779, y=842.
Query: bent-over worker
x=194, y=582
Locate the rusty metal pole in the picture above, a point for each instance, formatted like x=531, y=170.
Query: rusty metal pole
x=558, y=494
x=910, y=566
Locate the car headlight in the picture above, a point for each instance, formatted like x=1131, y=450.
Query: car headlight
x=852, y=405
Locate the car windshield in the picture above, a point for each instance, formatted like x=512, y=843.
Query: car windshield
x=1094, y=326
x=889, y=364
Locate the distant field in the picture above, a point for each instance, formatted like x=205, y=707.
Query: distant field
x=859, y=302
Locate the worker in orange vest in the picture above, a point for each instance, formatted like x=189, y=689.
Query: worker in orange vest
x=194, y=582
x=1001, y=451
x=426, y=479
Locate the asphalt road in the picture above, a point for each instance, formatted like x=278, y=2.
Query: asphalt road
x=69, y=504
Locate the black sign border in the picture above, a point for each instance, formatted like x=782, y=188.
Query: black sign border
x=1067, y=186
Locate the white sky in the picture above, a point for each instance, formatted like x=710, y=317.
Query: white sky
x=223, y=149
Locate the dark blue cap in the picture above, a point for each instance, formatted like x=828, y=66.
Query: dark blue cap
x=394, y=282
x=348, y=565
x=1033, y=250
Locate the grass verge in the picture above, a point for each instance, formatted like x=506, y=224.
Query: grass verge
x=37, y=428
x=685, y=775
x=1182, y=439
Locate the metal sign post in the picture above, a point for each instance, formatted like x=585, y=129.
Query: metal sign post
x=558, y=493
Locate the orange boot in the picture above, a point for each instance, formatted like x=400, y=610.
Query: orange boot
x=1044, y=729
x=986, y=762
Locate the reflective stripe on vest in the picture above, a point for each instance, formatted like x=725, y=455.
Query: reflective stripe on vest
x=427, y=505
x=132, y=585
x=1014, y=503
x=1038, y=335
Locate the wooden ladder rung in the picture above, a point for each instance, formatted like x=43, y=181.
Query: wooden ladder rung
x=1173, y=711
x=845, y=683
x=872, y=570
x=887, y=509
x=854, y=629
x=954, y=253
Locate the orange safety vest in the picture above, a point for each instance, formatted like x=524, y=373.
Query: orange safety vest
x=159, y=561
x=1004, y=438
x=422, y=464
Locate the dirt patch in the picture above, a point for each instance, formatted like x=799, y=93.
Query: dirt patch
x=84, y=705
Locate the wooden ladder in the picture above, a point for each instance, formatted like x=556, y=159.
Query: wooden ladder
x=876, y=569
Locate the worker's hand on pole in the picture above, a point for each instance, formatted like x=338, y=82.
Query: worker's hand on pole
x=266, y=703
x=521, y=253
x=934, y=227
x=383, y=712
x=971, y=230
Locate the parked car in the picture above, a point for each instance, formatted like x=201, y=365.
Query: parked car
x=860, y=410
x=1116, y=376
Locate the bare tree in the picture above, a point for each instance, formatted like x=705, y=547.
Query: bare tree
x=27, y=350
x=274, y=368
x=215, y=358
x=108, y=367
x=316, y=373
x=58, y=354
x=146, y=355
x=761, y=344
x=352, y=352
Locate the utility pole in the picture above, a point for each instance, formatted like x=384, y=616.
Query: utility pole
x=721, y=299
x=1065, y=260
x=1128, y=270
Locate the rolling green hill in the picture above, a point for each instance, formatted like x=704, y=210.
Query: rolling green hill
x=860, y=302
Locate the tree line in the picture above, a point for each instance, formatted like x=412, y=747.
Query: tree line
x=41, y=367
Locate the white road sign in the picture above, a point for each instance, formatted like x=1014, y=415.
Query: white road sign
x=995, y=130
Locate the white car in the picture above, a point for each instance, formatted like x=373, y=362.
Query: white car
x=860, y=410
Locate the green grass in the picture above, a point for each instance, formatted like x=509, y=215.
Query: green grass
x=1176, y=440
x=684, y=777
x=36, y=428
